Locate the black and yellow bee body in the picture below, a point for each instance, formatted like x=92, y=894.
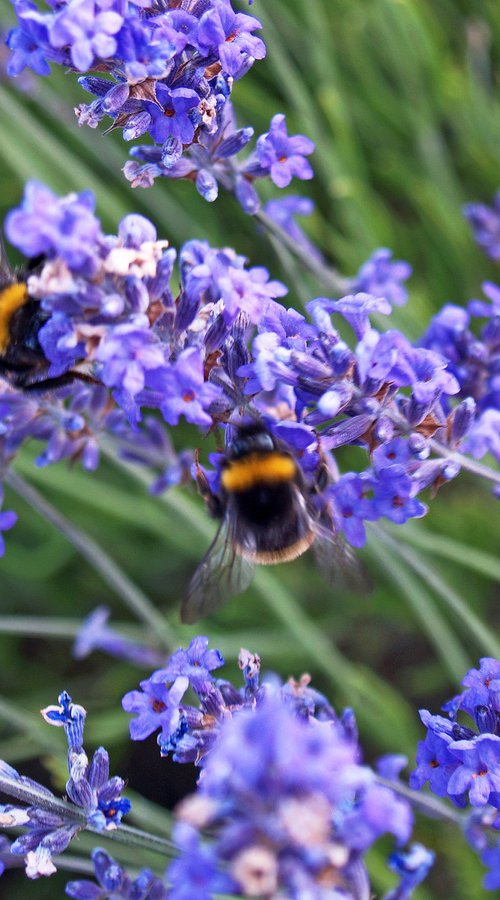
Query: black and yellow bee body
x=265, y=488
x=268, y=515
x=22, y=360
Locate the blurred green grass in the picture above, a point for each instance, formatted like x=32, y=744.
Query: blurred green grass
x=401, y=97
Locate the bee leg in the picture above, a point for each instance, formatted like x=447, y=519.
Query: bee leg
x=45, y=385
x=213, y=502
x=324, y=475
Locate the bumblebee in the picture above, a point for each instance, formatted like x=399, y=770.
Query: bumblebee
x=22, y=360
x=268, y=516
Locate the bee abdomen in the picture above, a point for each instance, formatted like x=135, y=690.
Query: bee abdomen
x=242, y=475
x=12, y=297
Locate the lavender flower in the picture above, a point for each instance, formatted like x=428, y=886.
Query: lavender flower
x=412, y=867
x=456, y=759
x=195, y=664
x=95, y=634
x=156, y=707
x=383, y=277
x=50, y=826
x=269, y=771
x=169, y=70
x=281, y=155
x=89, y=785
x=485, y=224
x=52, y=226
x=463, y=762
x=473, y=360
x=7, y=520
x=114, y=881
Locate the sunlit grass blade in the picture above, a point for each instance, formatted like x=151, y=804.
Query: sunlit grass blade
x=449, y=548
x=437, y=629
x=115, y=577
x=471, y=624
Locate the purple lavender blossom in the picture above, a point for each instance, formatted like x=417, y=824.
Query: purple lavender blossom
x=223, y=343
x=479, y=772
x=95, y=634
x=93, y=794
x=412, y=866
x=485, y=224
x=184, y=390
x=352, y=506
x=8, y=519
x=491, y=858
x=89, y=785
x=170, y=114
x=53, y=226
x=228, y=35
x=88, y=28
x=460, y=761
x=113, y=881
x=294, y=770
x=195, y=663
x=168, y=70
x=156, y=707
x=383, y=277
x=472, y=359
x=435, y=763
x=393, y=496
x=355, y=309
x=281, y=155
x=196, y=872
x=482, y=688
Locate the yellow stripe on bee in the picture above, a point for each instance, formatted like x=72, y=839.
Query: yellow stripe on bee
x=244, y=474
x=12, y=298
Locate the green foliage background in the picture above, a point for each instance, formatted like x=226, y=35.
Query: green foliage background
x=401, y=97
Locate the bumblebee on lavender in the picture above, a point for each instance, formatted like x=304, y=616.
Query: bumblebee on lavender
x=268, y=515
x=22, y=360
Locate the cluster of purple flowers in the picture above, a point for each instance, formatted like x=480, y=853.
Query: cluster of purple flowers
x=473, y=350
x=220, y=350
x=167, y=71
x=50, y=825
x=169, y=65
x=485, y=223
x=283, y=794
x=114, y=882
x=463, y=762
x=284, y=803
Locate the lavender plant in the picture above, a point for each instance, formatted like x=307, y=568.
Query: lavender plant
x=222, y=350
x=285, y=804
x=133, y=339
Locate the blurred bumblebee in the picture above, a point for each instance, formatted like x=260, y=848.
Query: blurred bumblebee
x=268, y=516
x=22, y=360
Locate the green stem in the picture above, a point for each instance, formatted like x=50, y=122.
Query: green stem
x=466, y=462
x=125, y=834
x=427, y=804
x=329, y=277
x=110, y=572
x=40, y=626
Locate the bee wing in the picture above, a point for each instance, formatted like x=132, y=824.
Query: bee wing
x=336, y=560
x=221, y=574
x=6, y=271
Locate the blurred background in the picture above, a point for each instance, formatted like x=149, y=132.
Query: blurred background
x=401, y=98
